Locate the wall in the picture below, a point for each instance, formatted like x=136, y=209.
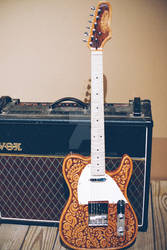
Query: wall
x=42, y=57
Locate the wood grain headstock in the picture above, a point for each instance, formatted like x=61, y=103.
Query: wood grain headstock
x=100, y=31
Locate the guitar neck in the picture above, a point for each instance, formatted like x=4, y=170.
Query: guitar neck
x=97, y=116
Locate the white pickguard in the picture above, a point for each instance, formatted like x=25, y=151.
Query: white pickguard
x=97, y=191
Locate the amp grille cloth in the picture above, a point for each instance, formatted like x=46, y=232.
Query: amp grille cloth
x=33, y=187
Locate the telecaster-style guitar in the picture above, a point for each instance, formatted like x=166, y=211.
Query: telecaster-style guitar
x=98, y=213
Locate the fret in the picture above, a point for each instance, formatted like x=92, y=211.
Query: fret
x=97, y=116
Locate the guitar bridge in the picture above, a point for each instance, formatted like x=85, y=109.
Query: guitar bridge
x=98, y=213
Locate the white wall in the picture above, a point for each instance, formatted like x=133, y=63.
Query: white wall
x=42, y=57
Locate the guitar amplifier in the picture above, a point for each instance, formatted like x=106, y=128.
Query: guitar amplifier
x=35, y=138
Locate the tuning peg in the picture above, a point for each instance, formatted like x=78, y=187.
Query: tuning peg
x=92, y=8
x=89, y=21
x=88, y=27
x=86, y=34
x=92, y=15
x=99, y=11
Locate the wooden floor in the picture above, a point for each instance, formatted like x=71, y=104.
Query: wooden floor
x=16, y=237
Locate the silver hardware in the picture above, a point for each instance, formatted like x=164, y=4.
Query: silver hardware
x=98, y=214
x=120, y=218
x=92, y=8
x=120, y=224
x=94, y=31
x=86, y=34
x=84, y=40
x=99, y=11
x=98, y=220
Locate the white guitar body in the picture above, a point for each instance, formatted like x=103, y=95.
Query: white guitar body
x=107, y=190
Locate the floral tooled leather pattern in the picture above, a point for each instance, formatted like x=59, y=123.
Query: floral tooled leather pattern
x=74, y=229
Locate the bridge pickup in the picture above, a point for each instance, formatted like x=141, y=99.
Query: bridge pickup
x=98, y=213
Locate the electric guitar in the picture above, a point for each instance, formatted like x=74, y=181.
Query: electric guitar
x=98, y=213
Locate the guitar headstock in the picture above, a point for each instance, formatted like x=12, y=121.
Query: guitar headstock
x=100, y=31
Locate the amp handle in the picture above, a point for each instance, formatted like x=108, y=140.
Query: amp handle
x=69, y=99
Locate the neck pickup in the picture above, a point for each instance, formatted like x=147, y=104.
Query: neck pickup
x=97, y=179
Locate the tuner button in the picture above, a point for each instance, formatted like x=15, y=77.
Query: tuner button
x=88, y=27
x=97, y=18
x=91, y=15
x=89, y=21
x=86, y=34
x=95, y=24
x=92, y=8
x=84, y=40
